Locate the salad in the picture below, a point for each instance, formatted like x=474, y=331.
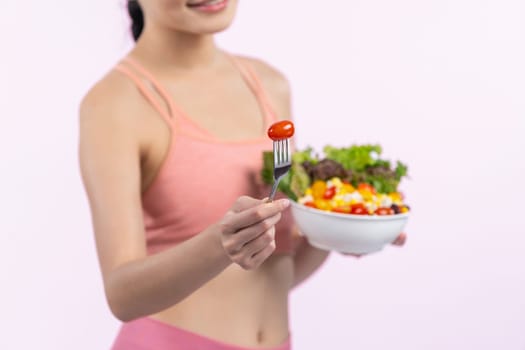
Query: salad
x=350, y=180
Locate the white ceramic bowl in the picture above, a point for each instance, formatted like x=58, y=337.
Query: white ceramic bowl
x=347, y=233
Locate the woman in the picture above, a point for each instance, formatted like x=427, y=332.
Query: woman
x=170, y=151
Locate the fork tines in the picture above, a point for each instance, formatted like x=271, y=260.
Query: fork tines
x=281, y=152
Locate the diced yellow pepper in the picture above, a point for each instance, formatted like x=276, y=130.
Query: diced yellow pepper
x=323, y=204
x=318, y=189
x=336, y=182
x=347, y=188
x=339, y=203
x=395, y=196
x=366, y=194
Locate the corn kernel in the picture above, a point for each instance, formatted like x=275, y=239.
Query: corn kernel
x=395, y=196
x=336, y=182
x=323, y=204
x=347, y=188
x=367, y=195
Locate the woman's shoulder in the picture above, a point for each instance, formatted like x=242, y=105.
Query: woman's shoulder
x=111, y=92
x=274, y=83
x=113, y=99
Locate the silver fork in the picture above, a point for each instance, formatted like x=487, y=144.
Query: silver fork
x=282, y=162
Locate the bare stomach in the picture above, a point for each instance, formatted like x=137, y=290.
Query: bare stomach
x=245, y=308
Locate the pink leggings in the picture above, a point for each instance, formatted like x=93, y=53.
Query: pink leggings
x=150, y=334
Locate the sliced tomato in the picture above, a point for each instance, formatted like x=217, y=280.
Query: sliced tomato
x=358, y=210
x=310, y=204
x=329, y=193
x=358, y=205
x=281, y=130
x=384, y=211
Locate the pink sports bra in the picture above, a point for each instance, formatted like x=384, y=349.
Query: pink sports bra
x=202, y=175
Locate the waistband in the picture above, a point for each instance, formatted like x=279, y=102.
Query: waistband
x=150, y=334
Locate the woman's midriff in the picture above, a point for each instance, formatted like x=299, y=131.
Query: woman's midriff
x=245, y=308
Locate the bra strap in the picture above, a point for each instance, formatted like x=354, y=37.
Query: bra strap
x=255, y=84
x=158, y=86
x=146, y=92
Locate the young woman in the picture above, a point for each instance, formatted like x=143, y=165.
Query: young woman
x=170, y=150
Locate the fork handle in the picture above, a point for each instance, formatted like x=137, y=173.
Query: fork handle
x=274, y=190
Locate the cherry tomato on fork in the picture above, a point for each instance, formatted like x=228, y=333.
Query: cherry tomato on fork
x=281, y=130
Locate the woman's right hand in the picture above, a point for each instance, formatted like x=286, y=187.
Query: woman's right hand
x=248, y=230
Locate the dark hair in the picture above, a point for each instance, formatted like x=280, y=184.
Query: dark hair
x=137, y=18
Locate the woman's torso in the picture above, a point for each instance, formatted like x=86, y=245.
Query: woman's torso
x=241, y=307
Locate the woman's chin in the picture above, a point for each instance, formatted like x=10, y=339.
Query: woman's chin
x=210, y=22
x=212, y=27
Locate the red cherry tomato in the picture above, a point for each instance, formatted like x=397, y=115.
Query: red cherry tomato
x=384, y=211
x=281, y=130
x=329, y=193
x=358, y=205
x=310, y=204
x=358, y=210
x=366, y=187
x=342, y=210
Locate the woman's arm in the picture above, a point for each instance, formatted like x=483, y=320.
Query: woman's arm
x=136, y=284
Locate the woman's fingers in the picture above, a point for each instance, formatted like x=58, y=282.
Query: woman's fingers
x=244, y=202
x=248, y=230
x=400, y=240
x=246, y=218
x=259, y=243
x=248, y=234
x=264, y=254
x=252, y=254
x=353, y=255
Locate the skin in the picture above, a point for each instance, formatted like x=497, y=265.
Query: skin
x=223, y=283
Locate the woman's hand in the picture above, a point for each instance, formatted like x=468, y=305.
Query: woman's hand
x=399, y=241
x=248, y=230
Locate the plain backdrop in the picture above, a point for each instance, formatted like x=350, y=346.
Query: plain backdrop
x=440, y=84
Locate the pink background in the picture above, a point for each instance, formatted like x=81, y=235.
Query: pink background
x=439, y=83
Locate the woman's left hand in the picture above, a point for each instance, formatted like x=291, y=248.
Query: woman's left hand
x=399, y=241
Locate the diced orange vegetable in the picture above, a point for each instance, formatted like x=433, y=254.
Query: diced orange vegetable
x=318, y=189
x=366, y=187
x=310, y=204
x=342, y=210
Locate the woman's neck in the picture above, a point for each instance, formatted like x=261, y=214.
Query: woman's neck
x=177, y=51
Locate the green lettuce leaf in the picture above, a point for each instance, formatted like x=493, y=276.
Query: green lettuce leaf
x=355, y=158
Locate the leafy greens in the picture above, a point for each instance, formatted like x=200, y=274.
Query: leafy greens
x=361, y=163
